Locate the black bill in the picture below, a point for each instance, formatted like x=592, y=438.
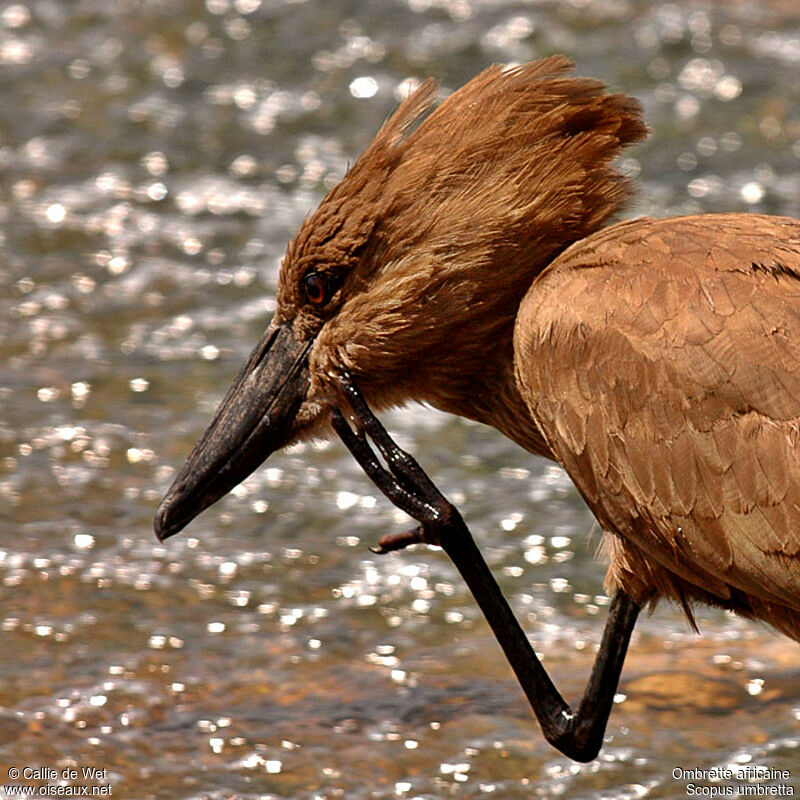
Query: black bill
x=256, y=418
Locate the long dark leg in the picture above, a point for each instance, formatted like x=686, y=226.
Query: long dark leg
x=576, y=733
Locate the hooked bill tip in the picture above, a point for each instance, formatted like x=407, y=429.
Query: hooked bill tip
x=162, y=525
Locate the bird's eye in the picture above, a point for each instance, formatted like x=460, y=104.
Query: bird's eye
x=316, y=288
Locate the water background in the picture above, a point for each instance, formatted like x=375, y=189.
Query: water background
x=155, y=157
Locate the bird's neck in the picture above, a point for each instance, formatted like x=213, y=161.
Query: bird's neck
x=491, y=396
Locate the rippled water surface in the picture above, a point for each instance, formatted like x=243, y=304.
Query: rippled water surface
x=155, y=157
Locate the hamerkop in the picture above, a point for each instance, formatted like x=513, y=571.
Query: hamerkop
x=460, y=263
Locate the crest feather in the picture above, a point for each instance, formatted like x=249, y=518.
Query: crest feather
x=517, y=160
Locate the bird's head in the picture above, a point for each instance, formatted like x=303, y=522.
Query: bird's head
x=410, y=272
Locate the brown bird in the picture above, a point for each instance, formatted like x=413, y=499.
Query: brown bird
x=460, y=263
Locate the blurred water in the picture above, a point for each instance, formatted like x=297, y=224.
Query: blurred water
x=155, y=157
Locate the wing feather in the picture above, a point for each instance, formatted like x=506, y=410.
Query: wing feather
x=681, y=427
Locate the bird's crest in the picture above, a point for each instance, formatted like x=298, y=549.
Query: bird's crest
x=508, y=170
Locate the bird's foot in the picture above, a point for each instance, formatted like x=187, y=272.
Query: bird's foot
x=402, y=480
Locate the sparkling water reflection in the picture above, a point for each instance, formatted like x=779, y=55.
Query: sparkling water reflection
x=155, y=157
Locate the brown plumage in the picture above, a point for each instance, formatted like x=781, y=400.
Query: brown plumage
x=436, y=233
x=460, y=262
x=678, y=416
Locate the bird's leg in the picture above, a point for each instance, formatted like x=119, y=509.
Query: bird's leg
x=579, y=733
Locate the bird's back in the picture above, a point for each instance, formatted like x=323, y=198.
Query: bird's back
x=661, y=360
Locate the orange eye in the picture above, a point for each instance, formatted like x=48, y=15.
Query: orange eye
x=316, y=288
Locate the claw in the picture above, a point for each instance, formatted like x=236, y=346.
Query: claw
x=386, y=481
